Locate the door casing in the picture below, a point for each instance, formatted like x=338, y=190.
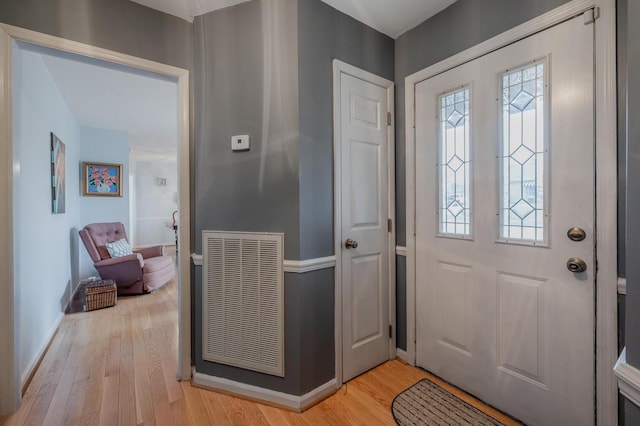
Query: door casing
x=338, y=68
x=10, y=392
x=606, y=183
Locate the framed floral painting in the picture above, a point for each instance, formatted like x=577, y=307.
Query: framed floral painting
x=102, y=179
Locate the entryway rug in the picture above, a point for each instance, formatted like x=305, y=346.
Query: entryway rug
x=426, y=403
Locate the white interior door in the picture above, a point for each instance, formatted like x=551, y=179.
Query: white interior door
x=364, y=200
x=504, y=168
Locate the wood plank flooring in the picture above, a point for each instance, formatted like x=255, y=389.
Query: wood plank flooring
x=117, y=366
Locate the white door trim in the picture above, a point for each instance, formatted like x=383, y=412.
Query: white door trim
x=338, y=68
x=606, y=181
x=10, y=383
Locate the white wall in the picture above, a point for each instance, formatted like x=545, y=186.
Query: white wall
x=103, y=146
x=154, y=203
x=46, y=244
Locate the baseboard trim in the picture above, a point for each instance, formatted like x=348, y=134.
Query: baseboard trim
x=622, y=285
x=266, y=396
x=72, y=294
x=294, y=266
x=27, y=376
x=401, y=251
x=308, y=265
x=628, y=378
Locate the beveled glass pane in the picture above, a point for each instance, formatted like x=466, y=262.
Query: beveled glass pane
x=523, y=195
x=454, y=164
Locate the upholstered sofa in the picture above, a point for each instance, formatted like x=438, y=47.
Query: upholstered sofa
x=144, y=270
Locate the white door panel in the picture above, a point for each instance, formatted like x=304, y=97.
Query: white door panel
x=497, y=311
x=365, y=269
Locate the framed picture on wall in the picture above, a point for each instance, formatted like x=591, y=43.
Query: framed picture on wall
x=58, y=168
x=102, y=179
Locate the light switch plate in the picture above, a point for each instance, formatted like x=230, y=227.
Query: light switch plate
x=240, y=143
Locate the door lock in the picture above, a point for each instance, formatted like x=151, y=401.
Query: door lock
x=576, y=265
x=350, y=244
x=576, y=234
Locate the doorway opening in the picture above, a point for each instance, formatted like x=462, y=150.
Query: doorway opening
x=19, y=44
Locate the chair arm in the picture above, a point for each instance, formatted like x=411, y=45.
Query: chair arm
x=153, y=251
x=135, y=257
x=125, y=270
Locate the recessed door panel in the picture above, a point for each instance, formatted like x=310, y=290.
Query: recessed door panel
x=366, y=292
x=452, y=304
x=521, y=329
x=365, y=183
x=365, y=111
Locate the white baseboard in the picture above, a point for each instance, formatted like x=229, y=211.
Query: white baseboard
x=401, y=251
x=28, y=373
x=268, y=396
x=628, y=378
x=311, y=398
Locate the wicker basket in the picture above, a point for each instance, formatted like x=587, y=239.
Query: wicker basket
x=100, y=294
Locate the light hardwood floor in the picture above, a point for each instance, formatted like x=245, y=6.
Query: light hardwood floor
x=117, y=366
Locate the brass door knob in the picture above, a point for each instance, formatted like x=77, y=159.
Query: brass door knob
x=350, y=244
x=576, y=265
x=576, y=234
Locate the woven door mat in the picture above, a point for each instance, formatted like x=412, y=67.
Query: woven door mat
x=426, y=403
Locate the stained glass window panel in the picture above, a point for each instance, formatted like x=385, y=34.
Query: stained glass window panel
x=523, y=195
x=454, y=164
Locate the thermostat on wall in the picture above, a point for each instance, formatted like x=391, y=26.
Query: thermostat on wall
x=240, y=143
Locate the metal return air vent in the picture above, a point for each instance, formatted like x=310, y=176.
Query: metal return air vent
x=243, y=300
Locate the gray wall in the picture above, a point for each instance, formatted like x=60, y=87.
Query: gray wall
x=621, y=12
x=460, y=26
x=631, y=414
x=118, y=25
x=247, y=84
x=326, y=34
x=632, y=322
x=285, y=182
x=633, y=188
x=401, y=302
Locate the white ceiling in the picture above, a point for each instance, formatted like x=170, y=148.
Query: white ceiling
x=390, y=17
x=113, y=97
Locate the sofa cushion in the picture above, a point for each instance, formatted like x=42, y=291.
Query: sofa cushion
x=119, y=248
x=157, y=272
x=154, y=264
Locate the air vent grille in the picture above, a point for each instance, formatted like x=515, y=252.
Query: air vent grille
x=243, y=300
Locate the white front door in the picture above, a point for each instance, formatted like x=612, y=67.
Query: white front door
x=504, y=168
x=363, y=144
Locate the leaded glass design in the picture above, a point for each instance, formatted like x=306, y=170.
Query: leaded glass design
x=523, y=198
x=454, y=167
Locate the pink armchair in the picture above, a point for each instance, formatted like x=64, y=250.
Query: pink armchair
x=145, y=270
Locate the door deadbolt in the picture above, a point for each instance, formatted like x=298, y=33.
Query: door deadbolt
x=576, y=234
x=576, y=265
x=350, y=244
